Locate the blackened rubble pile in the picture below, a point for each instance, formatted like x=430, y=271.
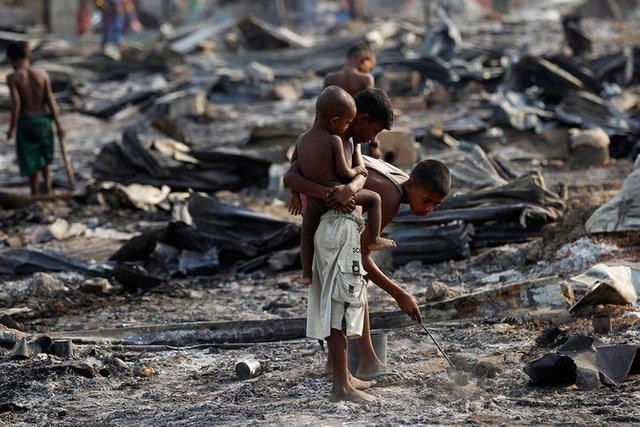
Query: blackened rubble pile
x=204, y=236
x=587, y=362
x=570, y=102
x=158, y=160
x=207, y=235
x=515, y=212
x=544, y=92
x=531, y=92
x=165, y=94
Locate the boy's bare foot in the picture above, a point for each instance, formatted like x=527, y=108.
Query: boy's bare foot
x=351, y=395
x=382, y=244
x=359, y=384
x=356, y=383
x=304, y=280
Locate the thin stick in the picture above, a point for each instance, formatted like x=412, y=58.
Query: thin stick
x=67, y=164
x=437, y=345
x=615, y=9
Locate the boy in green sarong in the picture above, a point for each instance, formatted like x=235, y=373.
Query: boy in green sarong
x=33, y=108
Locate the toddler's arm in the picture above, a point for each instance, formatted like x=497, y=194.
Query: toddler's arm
x=342, y=169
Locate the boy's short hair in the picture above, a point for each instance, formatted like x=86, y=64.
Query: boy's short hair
x=358, y=49
x=334, y=101
x=377, y=105
x=17, y=51
x=432, y=174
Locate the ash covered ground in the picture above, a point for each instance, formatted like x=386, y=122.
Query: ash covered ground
x=111, y=384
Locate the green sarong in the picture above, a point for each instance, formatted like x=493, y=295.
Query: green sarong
x=34, y=143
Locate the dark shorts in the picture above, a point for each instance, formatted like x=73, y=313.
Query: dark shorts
x=34, y=143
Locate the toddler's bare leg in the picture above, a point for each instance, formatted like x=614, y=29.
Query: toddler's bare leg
x=371, y=201
x=310, y=220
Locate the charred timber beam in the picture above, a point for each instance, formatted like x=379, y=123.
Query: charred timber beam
x=512, y=300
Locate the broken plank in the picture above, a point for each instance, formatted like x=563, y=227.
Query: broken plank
x=188, y=333
x=12, y=200
x=539, y=296
x=519, y=299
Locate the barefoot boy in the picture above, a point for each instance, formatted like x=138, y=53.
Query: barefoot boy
x=326, y=158
x=337, y=293
x=423, y=190
x=31, y=95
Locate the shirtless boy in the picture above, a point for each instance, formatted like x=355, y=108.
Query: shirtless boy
x=31, y=96
x=423, y=190
x=355, y=77
x=337, y=293
x=326, y=158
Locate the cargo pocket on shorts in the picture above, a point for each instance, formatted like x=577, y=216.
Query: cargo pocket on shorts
x=349, y=286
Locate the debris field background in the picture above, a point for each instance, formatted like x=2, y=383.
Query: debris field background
x=114, y=384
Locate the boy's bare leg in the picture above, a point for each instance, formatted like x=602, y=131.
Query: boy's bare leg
x=310, y=220
x=33, y=183
x=342, y=388
x=46, y=175
x=370, y=365
x=373, y=203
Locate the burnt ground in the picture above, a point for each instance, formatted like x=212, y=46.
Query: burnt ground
x=199, y=387
x=106, y=385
